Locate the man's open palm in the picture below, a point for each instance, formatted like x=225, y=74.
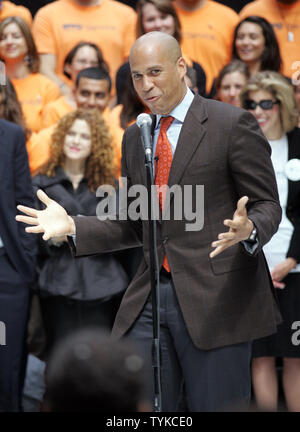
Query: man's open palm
x=53, y=221
x=240, y=228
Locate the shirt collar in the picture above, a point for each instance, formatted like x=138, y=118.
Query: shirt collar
x=180, y=111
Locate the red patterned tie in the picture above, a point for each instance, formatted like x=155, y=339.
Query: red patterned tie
x=164, y=157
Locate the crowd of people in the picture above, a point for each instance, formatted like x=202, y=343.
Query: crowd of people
x=76, y=76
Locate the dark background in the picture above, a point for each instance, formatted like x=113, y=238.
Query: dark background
x=34, y=5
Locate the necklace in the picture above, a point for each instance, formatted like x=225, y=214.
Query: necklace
x=289, y=27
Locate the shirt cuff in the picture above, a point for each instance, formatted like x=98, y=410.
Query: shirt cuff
x=250, y=246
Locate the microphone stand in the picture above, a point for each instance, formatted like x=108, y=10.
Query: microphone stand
x=154, y=279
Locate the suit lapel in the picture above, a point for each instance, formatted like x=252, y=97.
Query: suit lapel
x=191, y=135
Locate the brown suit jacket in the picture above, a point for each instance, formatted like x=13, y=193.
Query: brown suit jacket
x=228, y=299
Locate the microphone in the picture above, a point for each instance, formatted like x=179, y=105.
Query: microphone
x=144, y=122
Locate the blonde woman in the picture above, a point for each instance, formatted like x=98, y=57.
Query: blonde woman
x=269, y=97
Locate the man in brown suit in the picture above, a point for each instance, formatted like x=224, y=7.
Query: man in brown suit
x=213, y=304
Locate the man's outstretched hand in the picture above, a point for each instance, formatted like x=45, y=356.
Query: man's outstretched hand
x=240, y=228
x=53, y=221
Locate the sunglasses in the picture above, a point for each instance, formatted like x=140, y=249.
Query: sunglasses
x=266, y=104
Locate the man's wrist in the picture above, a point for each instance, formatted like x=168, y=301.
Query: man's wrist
x=72, y=230
x=252, y=231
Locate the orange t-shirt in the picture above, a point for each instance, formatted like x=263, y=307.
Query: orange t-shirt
x=9, y=9
x=38, y=144
x=38, y=148
x=59, y=26
x=285, y=19
x=34, y=93
x=207, y=35
x=55, y=110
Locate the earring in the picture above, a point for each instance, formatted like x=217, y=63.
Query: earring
x=27, y=60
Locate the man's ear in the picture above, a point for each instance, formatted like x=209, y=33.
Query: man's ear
x=181, y=65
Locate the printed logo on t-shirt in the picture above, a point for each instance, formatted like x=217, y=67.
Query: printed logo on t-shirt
x=280, y=26
x=72, y=26
x=88, y=27
x=194, y=35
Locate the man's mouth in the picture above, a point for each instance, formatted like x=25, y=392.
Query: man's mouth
x=152, y=98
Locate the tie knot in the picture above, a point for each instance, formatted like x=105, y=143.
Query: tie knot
x=165, y=123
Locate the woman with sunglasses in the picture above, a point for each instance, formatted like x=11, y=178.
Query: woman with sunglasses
x=270, y=98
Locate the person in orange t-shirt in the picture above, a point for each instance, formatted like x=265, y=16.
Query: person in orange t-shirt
x=207, y=32
x=84, y=55
x=284, y=15
x=8, y=9
x=18, y=51
x=59, y=26
x=10, y=110
x=92, y=90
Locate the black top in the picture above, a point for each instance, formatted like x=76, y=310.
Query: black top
x=86, y=278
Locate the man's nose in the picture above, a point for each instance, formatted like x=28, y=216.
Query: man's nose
x=92, y=101
x=147, y=83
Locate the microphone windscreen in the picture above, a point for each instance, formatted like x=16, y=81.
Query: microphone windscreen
x=143, y=119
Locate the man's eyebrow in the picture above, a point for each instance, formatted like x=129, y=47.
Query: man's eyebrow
x=148, y=69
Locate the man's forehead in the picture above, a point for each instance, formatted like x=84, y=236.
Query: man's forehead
x=93, y=84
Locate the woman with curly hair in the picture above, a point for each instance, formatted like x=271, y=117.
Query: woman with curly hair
x=77, y=293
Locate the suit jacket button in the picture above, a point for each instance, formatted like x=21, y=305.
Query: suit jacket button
x=165, y=239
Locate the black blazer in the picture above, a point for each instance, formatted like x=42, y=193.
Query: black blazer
x=15, y=188
x=293, y=202
x=228, y=299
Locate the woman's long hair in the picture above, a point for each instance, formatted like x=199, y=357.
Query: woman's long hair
x=132, y=105
x=32, y=57
x=164, y=6
x=10, y=107
x=270, y=59
x=69, y=57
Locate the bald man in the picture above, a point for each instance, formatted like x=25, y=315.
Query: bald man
x=213, y=303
